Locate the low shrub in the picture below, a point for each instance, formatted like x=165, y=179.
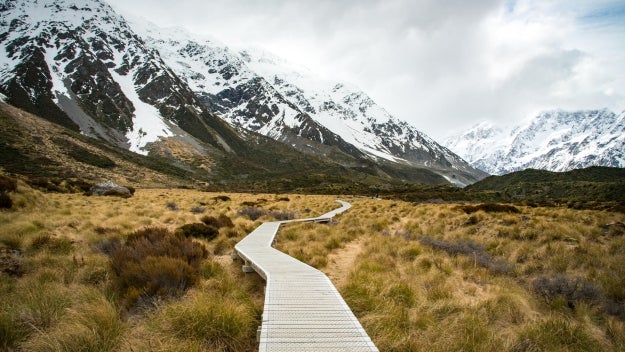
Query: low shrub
x=7, y=184
x=222, y=198
x=231, y=233
x=488, y=208
x=218, y=222
x=573, y=289
x=198, y=210
x=10, y=261
x=153, y=263
x=107, y=245
x=470, y=248
x=283, y=215
x=198, y=230
x=45, y=184
x=172, y=206
x=5, y=201
x=252, y=212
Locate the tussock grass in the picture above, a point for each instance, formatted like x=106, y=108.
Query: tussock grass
x=408, y=295
x=217, y=322
x=90, y=326
x=69, y=297
x=446, y=294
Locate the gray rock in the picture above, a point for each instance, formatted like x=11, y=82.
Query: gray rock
x=109, y=188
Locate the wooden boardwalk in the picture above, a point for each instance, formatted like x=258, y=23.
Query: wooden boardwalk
x=303, y=310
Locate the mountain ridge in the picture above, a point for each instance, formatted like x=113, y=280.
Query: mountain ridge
x=81, y=65
x=555, y=140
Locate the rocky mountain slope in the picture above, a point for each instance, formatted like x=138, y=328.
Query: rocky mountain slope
x=260, y=92
x=555, y=140
x=79, y=64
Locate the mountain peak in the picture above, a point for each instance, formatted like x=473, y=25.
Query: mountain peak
x=554, y=140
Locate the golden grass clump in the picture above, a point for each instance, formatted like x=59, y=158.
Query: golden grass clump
x=216, y=322
x=91, y=326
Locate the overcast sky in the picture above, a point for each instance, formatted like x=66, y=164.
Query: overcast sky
x=443, y=65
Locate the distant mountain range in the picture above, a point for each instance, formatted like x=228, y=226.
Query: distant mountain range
x=200, y=104
x=555, y=141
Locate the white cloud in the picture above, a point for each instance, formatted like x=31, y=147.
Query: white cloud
x=443, y=65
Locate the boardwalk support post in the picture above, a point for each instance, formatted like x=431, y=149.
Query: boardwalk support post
x=247, y=268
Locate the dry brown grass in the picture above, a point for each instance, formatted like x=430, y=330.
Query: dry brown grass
x=408, y=294
x=411, y=295
x=67, y=297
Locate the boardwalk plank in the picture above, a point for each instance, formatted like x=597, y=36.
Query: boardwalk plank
x=303, y=310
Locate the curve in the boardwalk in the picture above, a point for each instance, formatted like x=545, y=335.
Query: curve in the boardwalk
x=303, y=310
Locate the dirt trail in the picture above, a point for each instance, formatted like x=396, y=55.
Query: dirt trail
x=341, y=262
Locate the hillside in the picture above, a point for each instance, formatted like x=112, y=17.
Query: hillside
x=35, y=147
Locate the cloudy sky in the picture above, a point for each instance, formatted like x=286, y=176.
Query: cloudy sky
x=442, y=65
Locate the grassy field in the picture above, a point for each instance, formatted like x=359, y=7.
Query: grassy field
x=439, y=277
x=446, y=277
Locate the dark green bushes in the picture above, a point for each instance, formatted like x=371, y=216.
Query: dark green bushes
x=7, y=184
x=218, y=222
x=489, y=208
x=222, y=198
x=155, y=263
x=198, y=230
x=5, y=201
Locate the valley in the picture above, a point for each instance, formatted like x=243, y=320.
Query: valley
x=212, y=140
x=420, y=275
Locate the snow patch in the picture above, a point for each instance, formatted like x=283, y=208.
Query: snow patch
x=148, y=124
x=58, y=86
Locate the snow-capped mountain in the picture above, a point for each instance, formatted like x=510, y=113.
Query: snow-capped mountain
x=167, y=92
x=258, y=91
x=78, y=63
x=554, y=140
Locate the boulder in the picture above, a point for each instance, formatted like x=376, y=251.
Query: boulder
x=109, y=188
